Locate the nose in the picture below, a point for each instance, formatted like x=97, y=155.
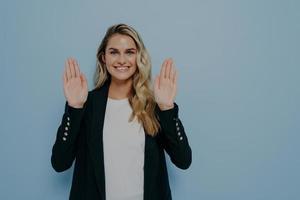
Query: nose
x=122, y=59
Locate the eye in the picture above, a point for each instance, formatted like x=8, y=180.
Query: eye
x=130, y=52
x=113, y=52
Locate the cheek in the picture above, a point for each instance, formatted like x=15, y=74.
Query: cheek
x=132, y=60
x=109, y=60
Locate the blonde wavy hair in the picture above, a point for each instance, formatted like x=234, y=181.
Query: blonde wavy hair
x=142, y=99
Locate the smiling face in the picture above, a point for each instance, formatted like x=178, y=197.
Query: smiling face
x=120, y=57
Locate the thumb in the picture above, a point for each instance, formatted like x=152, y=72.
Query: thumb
x=156, y=83
x=83, y=79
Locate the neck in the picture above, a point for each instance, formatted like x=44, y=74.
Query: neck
x=120, y=89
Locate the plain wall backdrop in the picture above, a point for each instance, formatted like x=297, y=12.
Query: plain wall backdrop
x=238, y=94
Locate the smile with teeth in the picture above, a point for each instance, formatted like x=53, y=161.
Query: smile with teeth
x=122, y=68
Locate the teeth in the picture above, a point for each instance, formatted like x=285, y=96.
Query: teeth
x=122, y=68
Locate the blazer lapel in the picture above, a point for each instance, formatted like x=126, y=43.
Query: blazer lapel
x=95, y=136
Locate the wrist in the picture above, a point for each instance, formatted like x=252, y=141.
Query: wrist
x=165, y=107
x=78, y=106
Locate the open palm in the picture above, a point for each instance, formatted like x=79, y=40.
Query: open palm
x=165, y=85
x=75, y=84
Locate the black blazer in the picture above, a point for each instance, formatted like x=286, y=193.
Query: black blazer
x=80, y=136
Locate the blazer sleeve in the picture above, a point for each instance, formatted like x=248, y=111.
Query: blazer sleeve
x=66, y=143
x=173, y=137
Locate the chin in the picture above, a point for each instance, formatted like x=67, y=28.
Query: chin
x=121, y=78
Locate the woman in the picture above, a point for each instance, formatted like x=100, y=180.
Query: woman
x=118, y=132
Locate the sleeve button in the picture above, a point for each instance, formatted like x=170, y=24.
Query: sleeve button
x=179, y=133
x=68, y=123
x=66, y=128
x=65, y=133
x=181, y=138
x=68, y=118
x=64, y=139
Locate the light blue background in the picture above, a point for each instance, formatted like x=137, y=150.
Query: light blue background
x=239, y=90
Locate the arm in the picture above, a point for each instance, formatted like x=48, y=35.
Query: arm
x=67, y=139
x=66, y=143
x=173, y=137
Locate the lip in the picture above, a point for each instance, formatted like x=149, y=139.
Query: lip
x=121, y=66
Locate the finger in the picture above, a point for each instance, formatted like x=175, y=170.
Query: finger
x=83, y=79
x=176, y=78
x=64, y=74
x=77, y=70
x=65, y=79
x=173, y=68
x=175, y=83
x=67, y=69
x=168, y=68
x=156, y=83
x=172, y=74
x=162, y=69
x=72, y=68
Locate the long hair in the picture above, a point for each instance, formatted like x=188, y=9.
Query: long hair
x=142, y=98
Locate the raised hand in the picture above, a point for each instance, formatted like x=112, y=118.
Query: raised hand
x=165, y=85
x=75, y=84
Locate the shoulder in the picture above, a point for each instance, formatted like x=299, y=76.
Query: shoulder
x=102, y=90
x=98, y=93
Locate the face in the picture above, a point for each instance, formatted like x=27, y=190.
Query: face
x=120, y=57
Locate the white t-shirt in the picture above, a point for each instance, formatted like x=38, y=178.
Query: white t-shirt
x=124, y=146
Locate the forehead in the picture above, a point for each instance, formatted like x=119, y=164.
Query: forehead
x=119, y=41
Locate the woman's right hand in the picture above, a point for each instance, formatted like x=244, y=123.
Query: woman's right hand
x=75, y=84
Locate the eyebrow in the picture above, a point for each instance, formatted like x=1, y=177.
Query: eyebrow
x=126, y=49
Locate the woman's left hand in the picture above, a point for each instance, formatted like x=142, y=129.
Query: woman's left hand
x=165, y=85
